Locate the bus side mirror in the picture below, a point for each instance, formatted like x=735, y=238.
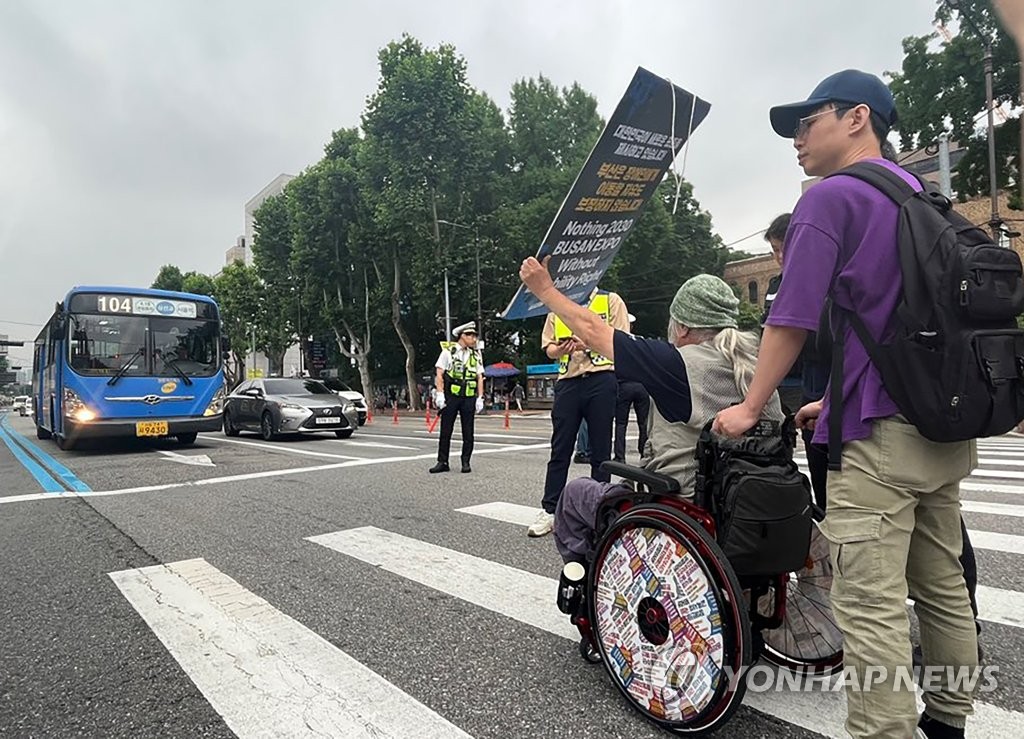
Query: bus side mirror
x=225, y=345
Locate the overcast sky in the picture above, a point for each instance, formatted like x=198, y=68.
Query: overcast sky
x=133, y=132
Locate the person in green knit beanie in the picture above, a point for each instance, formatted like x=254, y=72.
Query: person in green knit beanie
x=706, y=365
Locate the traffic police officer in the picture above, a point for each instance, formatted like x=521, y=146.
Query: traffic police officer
x=458, y=391
x=585, y=389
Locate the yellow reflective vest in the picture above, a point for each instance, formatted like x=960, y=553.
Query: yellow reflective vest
x=598, y=304
x=460, y=378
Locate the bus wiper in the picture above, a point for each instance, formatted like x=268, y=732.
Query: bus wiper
x=127, y=366
x=173, y=364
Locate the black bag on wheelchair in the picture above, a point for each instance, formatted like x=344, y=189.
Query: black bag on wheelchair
x=758, y=497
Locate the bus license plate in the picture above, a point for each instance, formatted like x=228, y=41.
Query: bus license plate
x=328, y=419
x=151, y=428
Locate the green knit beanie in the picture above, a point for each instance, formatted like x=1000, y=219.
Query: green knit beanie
x=705, y=301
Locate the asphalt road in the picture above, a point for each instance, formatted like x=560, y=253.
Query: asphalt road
x=332, y=587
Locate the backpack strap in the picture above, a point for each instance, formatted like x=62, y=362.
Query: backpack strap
x=835, y=399
x=883, y=179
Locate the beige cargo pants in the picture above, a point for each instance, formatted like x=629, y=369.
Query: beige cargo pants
x=893, y=526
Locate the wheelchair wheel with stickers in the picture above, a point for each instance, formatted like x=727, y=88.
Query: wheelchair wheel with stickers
x=809, y=640
x=669, y=619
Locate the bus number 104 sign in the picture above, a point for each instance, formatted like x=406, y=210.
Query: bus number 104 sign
x=145, y=306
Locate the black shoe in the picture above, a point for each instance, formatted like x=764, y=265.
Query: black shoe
x=466, y=467
x=581, y=459
x=935, y=729
x=439, y=467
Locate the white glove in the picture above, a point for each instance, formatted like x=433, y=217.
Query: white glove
x=438, y=400
x=479, y=405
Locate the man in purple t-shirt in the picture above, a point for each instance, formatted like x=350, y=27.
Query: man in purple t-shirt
x=893, y=520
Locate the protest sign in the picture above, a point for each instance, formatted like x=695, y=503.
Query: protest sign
x=648, y=128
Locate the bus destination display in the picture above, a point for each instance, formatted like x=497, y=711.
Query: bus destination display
x=144, y=306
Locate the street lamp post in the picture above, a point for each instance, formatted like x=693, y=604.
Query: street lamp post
x=476, y=244
x=995, y=222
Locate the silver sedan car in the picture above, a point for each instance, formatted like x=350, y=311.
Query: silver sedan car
x=279, y=405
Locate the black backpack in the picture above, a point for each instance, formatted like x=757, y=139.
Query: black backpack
x=760, y=501
x=952, y=357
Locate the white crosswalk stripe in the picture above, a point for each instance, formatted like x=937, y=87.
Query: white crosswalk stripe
x=995, y=604
x=529, y=599
x=265, y=673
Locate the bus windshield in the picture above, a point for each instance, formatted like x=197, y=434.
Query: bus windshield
x=102, y=345
x=184, y=344
x=109, y=343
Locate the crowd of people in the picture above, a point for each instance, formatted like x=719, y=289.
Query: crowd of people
x=891, y=495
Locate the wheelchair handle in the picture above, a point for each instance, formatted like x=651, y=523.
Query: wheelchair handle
x=655, y=482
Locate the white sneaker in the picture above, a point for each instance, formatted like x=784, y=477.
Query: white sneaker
x=543, y=525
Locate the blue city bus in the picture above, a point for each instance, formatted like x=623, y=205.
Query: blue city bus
x=127, y=362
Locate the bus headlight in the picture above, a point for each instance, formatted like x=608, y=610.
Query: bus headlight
x=216, y=406
x=75, y=409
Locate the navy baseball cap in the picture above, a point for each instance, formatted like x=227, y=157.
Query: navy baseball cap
x=849, y=86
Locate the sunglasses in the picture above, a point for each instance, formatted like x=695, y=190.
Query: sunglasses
x=804, y=124
x=469, y=333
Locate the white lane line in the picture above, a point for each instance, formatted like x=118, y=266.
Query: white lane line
x=281, y=449
x=252, y=476
x=1001, y=607
x=976, y=485
x=432, y=439
x=263, y=672
x=520, y=515
x=995, y=509
x=372, y=444
x=996, y=542
x=492, y=436
x=530, y=599
x=508, y=591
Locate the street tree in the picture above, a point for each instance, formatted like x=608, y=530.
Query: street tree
x=280, y=305
x=432, y=152
x=327, y=210
x=941, y=87
x=169, y=278
x=237, y=290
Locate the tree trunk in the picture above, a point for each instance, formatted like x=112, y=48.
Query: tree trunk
x=403, y=336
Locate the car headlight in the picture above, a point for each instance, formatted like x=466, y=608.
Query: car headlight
x=348, y=408
x=75, y=409
x=291, y=407
x=216, y=406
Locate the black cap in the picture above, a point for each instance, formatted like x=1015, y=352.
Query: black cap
x=849, y=86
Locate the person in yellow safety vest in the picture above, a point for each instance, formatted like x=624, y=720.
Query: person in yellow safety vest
x=586, y=389
x=458, y=391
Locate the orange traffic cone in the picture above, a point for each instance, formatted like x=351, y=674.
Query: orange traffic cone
x=508, y=420
x=395, y=419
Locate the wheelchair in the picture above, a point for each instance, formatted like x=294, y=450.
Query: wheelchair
x=663, y=609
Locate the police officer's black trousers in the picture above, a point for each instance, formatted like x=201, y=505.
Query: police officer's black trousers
x=630, y=394
x=591, y=397
x=465, y=408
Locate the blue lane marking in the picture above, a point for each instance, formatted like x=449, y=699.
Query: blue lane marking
x=48, y=484
x=53, y=466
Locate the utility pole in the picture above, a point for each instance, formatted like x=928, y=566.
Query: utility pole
x=479, y=313
x=995, y=222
